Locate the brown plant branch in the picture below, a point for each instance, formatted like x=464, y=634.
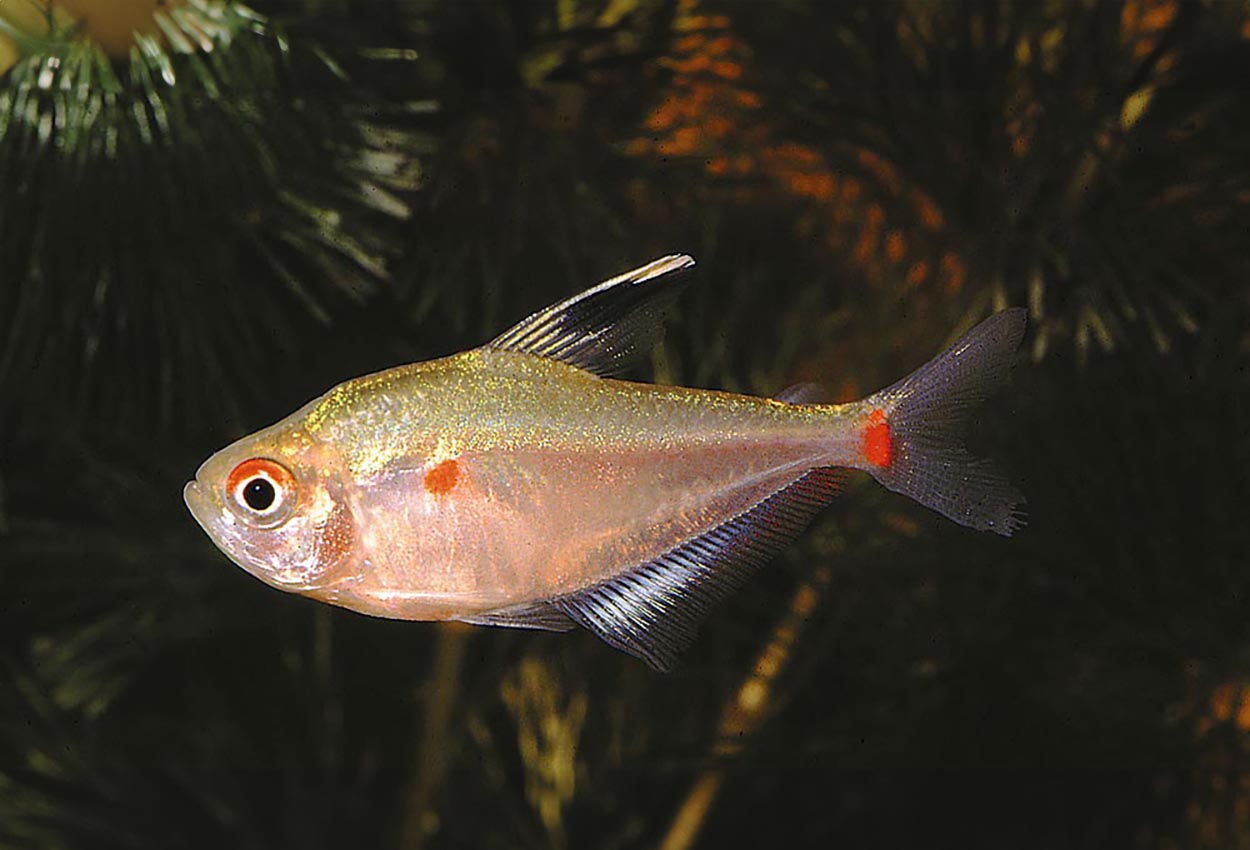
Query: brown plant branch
x=745, y=712
x=431, y=757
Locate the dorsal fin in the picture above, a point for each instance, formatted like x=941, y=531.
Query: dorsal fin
x=604, y=329
x=653, y=610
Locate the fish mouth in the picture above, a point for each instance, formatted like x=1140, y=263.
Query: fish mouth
x=211, y=516
x=216, y=521
x=226, y=533
x=198, y=504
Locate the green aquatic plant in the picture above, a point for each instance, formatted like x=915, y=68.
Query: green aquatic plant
x=152, y=201
x=1041, y=154
x=855, y=179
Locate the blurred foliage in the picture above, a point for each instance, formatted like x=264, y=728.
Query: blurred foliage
x=204, y=227
x=219, y=177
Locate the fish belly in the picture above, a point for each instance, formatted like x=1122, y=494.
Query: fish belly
x=526, y=525
x=523, y=479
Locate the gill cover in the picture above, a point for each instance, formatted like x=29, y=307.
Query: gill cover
x=285, y=521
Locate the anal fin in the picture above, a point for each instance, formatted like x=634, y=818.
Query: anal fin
x=652, y=611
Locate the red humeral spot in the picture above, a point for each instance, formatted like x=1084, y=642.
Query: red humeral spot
x=878, y=447
x=442, y=477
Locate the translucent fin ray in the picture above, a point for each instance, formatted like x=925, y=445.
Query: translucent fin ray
x=927, y=412
x=529, y=615
x=606, y=328
x=804, y=393
x=653, y=610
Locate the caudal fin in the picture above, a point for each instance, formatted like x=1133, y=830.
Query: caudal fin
x=913, y=440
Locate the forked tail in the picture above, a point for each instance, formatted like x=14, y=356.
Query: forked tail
x=913, y=437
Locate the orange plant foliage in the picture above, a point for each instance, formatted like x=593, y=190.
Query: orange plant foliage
x=861, y=205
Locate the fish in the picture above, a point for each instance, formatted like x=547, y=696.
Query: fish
x=524, y=483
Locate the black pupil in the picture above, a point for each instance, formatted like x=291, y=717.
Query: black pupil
x=259, y=494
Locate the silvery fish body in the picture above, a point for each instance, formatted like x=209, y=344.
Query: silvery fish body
x=516, y=484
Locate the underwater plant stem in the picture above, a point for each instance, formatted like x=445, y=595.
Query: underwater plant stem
x=431, y=756
x=688, y=821
x=744, y=712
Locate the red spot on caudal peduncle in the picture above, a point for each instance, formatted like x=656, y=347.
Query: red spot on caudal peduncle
x=442, y=477
x=878, y=447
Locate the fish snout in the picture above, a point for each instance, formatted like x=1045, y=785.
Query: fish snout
x=197, y=503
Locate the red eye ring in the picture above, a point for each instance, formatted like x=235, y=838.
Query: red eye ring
x=261, y=471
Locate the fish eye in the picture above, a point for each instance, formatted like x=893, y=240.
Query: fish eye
x=259, y=493
x=262, y=489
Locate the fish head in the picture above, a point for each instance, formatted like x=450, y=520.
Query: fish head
x=274, y=502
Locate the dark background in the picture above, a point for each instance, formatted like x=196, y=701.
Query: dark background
x=203, y=228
